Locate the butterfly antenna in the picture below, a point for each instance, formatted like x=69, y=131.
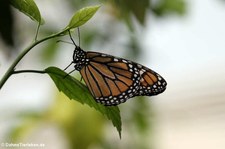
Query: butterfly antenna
x=78, y=30
x=72, y=38
x=64, y=42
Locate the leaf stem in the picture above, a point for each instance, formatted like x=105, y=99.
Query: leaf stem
x=37, y=31
x=11, y=69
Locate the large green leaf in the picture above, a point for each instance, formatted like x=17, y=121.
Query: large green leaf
x=74, y=89
x=82, y=16
x=29, y=8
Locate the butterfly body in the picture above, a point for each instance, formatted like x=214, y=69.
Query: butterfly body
x=113, y=80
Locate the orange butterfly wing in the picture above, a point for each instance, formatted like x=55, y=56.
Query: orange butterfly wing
x=113, y=80
x=151, y=83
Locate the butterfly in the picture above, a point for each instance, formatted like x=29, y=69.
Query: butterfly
x=112, y=80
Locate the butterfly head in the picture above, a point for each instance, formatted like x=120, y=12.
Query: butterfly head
x=79, y=58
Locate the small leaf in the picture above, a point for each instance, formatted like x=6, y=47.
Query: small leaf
x=74, y=89
x=82, y=16
x=167, y=7
x=29, y=8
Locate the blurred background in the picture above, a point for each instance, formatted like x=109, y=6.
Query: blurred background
x=182, y=40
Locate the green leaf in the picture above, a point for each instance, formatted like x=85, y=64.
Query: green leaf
x=74, y=89
x=29, y=8
x=166, y=7
x=82, y=16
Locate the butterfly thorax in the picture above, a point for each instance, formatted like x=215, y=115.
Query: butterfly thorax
x=79, y=58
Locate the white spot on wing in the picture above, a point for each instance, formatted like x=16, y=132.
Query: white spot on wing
x=116, y=60
x=124, y=61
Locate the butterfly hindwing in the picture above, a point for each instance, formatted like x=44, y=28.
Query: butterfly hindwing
x=151, y=83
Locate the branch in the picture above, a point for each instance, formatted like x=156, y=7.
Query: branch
x=11, y=69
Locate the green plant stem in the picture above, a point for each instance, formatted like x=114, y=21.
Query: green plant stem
x=21, y=55
x=28, y=71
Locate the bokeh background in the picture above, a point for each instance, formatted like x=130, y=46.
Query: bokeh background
x=182, y=40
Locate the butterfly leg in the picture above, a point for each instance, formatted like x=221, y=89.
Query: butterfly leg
x=81, y=78
x=68, y=66
x=68, y=73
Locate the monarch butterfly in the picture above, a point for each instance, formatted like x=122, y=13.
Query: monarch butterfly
x=113, y=80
